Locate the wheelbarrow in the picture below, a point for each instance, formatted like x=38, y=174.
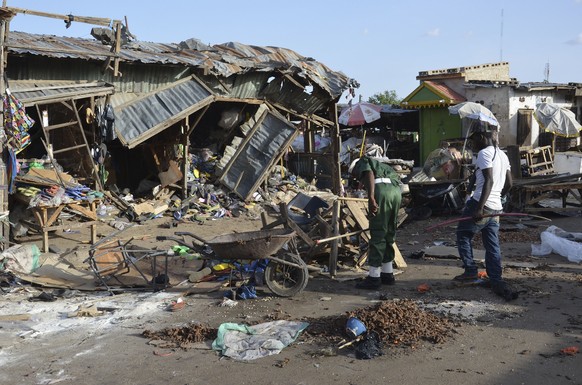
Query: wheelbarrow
x=286, y=273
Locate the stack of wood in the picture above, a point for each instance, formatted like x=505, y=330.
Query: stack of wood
x=333, y=229
x=347, y=218
x=354, y=217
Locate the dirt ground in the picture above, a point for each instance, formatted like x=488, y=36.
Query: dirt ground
x=491, y=341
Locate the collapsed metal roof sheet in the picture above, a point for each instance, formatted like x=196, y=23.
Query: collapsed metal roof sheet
x=144, y=117
x=31, y=93
x=264, y=145
x=223, y=60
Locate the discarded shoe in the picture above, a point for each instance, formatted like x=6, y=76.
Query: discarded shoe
x=467, y=277
x=387, y=278
x=370, y=283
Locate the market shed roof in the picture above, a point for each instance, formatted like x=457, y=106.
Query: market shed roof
x=36, y=92
x=221, y=60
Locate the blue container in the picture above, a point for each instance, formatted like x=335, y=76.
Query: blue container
x=355, y=327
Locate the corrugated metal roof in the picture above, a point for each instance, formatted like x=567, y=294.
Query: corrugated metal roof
x=145, y=117
x=248, y=168
x=224, y=59
x=30, y=93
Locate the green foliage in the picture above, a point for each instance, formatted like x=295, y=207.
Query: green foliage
x=386, y=97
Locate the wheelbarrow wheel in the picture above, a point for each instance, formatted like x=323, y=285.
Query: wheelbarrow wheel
x=285, y=280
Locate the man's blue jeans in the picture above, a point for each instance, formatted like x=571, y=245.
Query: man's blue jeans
x=489, y=228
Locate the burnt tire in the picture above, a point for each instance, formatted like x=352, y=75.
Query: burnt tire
x=284, y=280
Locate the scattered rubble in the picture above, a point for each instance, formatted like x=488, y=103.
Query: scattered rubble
x=183, y=336
x=402, y=323
x=398, y=323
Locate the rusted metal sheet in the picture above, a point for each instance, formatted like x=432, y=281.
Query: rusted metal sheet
x=261, y=149
x=143, y=118
x=223, y=60
x=30, y=93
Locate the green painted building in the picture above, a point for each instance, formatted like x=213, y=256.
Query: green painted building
x=433, y=98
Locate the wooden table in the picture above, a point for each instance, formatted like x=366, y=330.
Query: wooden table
x=531, y=194
x=46, y=216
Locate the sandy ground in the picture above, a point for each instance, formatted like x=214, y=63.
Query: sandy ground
x=493, y=341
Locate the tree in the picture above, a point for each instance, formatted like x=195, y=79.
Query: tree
x=386, y=97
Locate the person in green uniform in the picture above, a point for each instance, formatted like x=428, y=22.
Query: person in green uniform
x=384, y=196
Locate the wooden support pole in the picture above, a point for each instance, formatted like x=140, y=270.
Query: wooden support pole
x=81, y=19
x=4, y=209
x=334, y=237
x=350, y=199
x=335, y=242
x=336, y=145
x=117, y=48
x=186, y=157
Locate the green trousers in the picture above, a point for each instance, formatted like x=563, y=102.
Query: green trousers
x=383, y=225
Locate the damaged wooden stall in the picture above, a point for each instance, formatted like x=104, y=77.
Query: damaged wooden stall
x=58, y=193
x=125, y=111
x=325, y=227
x=529, y=194
x=145, y=105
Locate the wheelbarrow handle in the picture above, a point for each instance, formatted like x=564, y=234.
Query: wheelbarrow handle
x=188, y=234
x=175, y=239
x=180, y=241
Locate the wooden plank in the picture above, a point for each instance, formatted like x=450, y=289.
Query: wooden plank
x=348, y=199
x=362, y=220
x=323, y=226
x=399, y=261
x=359, y=216
x=81, y=19
x=553, y=187
x=53, y=216
x=294, y=226
x=83, y=211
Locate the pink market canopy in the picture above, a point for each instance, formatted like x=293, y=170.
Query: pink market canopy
x=558, y=120
x=359, y=114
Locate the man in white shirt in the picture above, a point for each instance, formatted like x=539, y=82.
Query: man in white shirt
x=493, y=180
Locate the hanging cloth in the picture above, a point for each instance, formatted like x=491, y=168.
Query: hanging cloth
x=16, y=122
x=106, y=123
x=12, y=169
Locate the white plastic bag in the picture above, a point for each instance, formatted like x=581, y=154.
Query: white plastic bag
x=559, y=241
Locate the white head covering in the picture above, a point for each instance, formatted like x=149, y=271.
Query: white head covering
x=352, y=165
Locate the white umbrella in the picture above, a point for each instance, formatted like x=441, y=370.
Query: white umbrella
x=558, y=120
x=474, y=111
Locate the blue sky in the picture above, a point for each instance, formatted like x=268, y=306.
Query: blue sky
x=383, y=44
